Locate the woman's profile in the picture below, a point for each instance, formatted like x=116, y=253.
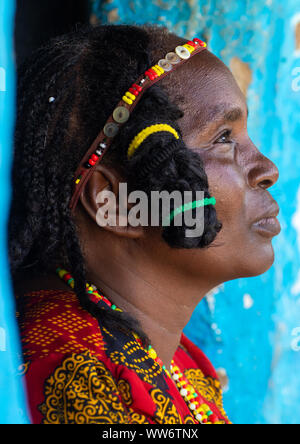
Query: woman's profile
x=102, y=308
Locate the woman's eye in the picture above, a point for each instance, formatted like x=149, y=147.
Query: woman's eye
x=225, y=137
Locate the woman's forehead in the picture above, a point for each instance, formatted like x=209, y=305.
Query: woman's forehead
x=209, y=90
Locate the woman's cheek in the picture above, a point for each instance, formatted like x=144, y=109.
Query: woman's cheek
x=227, y=185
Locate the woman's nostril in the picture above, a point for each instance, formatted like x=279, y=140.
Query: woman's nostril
x=267, y=183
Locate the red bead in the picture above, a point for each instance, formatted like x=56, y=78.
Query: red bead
x=213, y=418
x=137, y=87
x=93, y=298
x=159, y=361
x=133, y=91
x=204, y=421
x=94, y=157
x=67, y=277
x=149, y=75
x=92, y=162
x=153, y=72
x=107, y=302
x=191, y=44
x=200, y=42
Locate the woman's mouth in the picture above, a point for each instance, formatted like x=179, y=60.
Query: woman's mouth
x=268, y=226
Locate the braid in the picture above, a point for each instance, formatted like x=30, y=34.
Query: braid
x=51, y=139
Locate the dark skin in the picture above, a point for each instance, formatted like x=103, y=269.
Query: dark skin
x=134, y=267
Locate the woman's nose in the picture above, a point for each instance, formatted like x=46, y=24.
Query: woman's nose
x=262, y=172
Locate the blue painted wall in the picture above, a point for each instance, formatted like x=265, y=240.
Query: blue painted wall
x=251, y=327
x=12, y=408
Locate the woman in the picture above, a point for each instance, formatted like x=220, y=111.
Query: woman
x=112, y=350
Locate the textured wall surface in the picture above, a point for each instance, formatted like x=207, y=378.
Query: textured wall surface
x=11, y=394
x=250, y=327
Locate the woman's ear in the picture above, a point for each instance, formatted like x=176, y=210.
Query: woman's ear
x=104, y=202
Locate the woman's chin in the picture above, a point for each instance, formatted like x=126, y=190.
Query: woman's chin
x=261, y=262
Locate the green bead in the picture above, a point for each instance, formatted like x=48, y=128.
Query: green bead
x=209, y=413
x=113, y=307
x=195, y=395
x=164, y=367
x=149, y=348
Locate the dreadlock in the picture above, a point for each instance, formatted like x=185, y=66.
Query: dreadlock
x=86, y=71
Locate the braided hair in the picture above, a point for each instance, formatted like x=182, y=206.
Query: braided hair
x=85, y=73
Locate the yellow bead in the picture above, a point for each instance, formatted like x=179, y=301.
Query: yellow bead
x=189, y=48
x=130, y=96
x=152, y=353
x=125, y=99
x=61, y=273
x=77, y=181
x=159, y=71
x=204, y=408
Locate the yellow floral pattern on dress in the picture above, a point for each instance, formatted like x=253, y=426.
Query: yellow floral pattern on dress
x=83, y=391
x=166, y=412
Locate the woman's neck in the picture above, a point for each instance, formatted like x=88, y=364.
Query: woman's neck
x=163, y=311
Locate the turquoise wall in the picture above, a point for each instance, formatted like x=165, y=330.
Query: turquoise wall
x=250, y=327
x=12, y=408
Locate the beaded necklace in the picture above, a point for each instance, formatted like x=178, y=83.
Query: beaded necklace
x=198, y=408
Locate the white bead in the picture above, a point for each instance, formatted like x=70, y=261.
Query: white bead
x=182, y=52
x=175, y=377
x=51, y=99
x=192, y=406
x=198, y=417
x=164, y=64
x=172, y=58
x=183, y=392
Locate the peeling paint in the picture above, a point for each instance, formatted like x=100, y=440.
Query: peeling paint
x=248, y=302
x=297, y=35
x=242, y=73
x=113, y=15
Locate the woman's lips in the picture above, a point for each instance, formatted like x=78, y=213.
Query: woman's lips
x=268, y=226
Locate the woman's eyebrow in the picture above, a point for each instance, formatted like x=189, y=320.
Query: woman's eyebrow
x=218, y=113
x=224, y=112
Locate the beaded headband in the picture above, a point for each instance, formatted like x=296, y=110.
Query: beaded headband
x=123, y=110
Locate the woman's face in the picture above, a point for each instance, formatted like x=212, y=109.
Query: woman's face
x=239, y=175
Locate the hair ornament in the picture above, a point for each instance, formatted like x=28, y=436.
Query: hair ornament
x=146, y=132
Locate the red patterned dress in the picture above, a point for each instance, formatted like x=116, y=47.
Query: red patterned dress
x=79, y=372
